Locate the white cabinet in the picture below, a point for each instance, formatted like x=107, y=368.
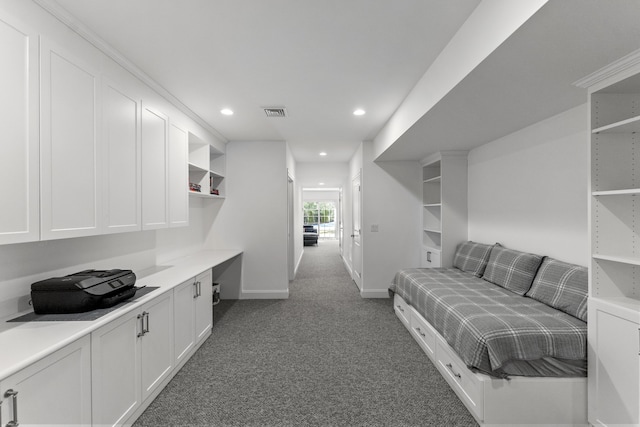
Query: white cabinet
x=444, y=207
x=192, y=314
x=70, y=174
x=178, y=177
x=155, y=126
x=131, y=356
x=19, y=163
x=614, y=219
x=121, y=160
x=53, y=391
x=206, y=169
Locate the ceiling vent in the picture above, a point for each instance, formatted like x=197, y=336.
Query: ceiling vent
x=275, y=111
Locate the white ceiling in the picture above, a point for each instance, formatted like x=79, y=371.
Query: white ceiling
x=321, y=59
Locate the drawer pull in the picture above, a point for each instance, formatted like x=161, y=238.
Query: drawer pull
x=420, y=332
x=400, y=308
x=455, y=374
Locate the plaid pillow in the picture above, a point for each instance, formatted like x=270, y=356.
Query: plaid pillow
x=472, y=257
x=513, y=270
x=562, y=286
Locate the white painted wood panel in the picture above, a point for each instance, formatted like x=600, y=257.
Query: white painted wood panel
x=154, y=169
x=184, y=327
x=203, y=305
x=63, y=376
x=156, y=344
x=70, y=172
x=122, y=198
x=178, y=185
x=19, y=123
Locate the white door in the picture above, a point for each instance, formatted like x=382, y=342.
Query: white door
x=203, y=304
x=154, y=169
x=178, y=185
x=19, y=163
x=156, y=343
x=53, y=391
x=183, y=321
x=70, y=173
x=122, y=199
x=356, y=247
x=290, y=228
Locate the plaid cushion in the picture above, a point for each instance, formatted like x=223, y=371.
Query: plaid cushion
x=562, y=286
x=472, y=257
x=513, y=270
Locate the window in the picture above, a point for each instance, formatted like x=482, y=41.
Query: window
x=322, y=215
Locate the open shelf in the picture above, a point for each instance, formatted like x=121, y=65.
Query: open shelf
x=630, y=125
x=206, y=168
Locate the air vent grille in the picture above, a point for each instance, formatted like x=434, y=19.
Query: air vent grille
x=275, y=111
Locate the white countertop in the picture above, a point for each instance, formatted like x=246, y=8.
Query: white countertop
x=22, y=344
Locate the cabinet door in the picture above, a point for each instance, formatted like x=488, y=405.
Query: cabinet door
x=19, y=123
x=156, y=343
x=154, y=169
x=69, y=149
x=184, y=318
x=616, y=376
x=115, y=370
x=203, y=305
x=53, y=391
x=178, y=177
x=121, y=137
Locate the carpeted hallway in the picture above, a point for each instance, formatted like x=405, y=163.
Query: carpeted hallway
x=325, y=356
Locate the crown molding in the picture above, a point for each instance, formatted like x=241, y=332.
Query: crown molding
x=57, y=11
x=626, y=63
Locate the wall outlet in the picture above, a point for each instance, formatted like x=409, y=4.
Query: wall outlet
x=374, y=228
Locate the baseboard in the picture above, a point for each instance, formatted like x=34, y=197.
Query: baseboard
x=375, y=293
x=264, y=294
x=347, y=265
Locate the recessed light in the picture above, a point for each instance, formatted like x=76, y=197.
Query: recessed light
x=323, y=153
x=227, y=111
x=321, y=183
x=359, y=112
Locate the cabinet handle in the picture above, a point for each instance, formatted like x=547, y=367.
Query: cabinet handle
x=145, y=315
x=14, y=399
x=450, y=366
x=198, y=289
x=400, y=308
x=141, y=318
x=420, y=332
x=428, y=256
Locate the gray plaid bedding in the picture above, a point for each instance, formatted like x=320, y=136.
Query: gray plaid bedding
x=488, y=325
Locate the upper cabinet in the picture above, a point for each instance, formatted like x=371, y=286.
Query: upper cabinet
x=19, y=186
x=206, y=169
x=69, y=147
x=178, y=176
x=122, y=177
x=155, y=127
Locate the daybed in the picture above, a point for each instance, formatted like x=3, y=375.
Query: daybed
x=506, y=329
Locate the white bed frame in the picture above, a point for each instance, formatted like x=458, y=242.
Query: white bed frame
x=521, y=401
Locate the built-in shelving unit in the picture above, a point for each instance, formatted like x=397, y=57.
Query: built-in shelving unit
x=614, y=218
x=206, y=169
x=444, y=207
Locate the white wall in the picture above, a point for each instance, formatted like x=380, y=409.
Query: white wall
x=253, y=218
x=392, y=194
x=528, y=190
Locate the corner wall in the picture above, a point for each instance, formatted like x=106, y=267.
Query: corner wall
x=528, y=190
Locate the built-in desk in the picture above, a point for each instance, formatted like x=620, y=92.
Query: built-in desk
x=29, y=349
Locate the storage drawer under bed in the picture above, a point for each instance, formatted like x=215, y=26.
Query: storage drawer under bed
x=423, y=333
x=402, y=310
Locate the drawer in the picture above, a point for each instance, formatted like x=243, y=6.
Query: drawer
x=464, y=382
x=402, y=310
x=424, y=333
x=430, y=258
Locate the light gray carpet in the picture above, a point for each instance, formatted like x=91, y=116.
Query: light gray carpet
x=325, y=356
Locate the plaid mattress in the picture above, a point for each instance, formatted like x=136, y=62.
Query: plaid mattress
x=488, y=325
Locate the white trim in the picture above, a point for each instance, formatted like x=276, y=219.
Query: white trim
x=83, y=31
x=623, y=64
x=266, y=294
x=375, y=293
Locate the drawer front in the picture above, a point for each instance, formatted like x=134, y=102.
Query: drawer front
x=461, y=379
x=402, y=310
x=430, y=258
x=424, y=334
